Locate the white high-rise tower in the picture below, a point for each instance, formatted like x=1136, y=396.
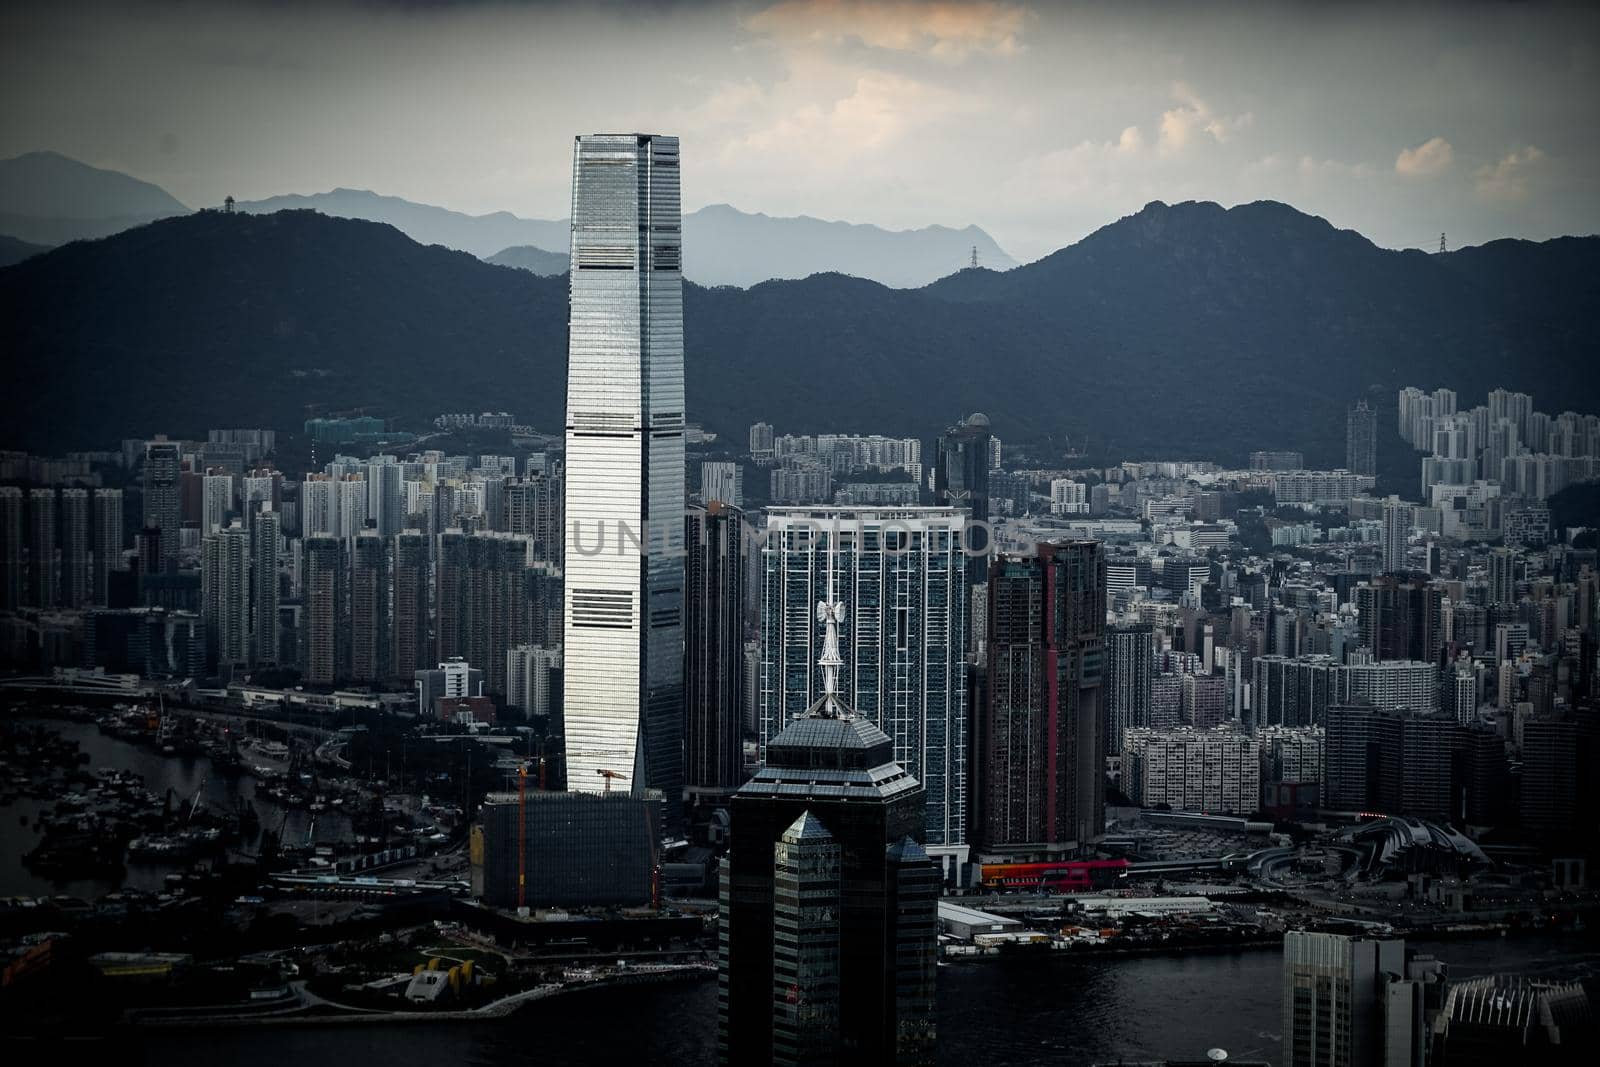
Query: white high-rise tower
x=623, y=613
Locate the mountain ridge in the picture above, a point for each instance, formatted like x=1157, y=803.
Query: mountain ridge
x=1190, y=331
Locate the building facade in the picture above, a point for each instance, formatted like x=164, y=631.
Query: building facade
x=624, y=492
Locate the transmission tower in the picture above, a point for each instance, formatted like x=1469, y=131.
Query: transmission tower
x=974, y=257
x=1442, y=248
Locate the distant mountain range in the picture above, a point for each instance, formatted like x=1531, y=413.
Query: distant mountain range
x=1183, y=330
x=529, y=258
x=49, y=199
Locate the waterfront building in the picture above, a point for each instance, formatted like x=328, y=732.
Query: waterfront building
x=830, y=792
x=1503, y=1019
x=1042, y=744
x=539, y=849
x=1352, y=1001
x=900, y=574
x=623, y=615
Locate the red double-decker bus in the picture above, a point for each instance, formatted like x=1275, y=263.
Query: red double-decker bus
x=1068, y=876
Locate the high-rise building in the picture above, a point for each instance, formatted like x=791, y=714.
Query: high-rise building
x=761, y=443
x=1130, y=665
x=901, y=576
x=722, y=482
x=12, y=554
x=370, y=642
x=1397, y=522
x=1292, y=690
x=216, y=495
x=828, y=903
x=1502, y=576
x=319, y=506
x=77, y=579
x=107, y=542
x=1336, y=1008
x=412, y=649
x=1041, y=743
x=481, y=601
x=961, y=479
x=1411, y=685
x=1396, y=762
x=1361, y=440
x=265, y=533
x=1192, y=770
x=1205, y=700
x=225, y=593
x=623, y=624
x=163, y=466
x=713, y=651
x=1401, y=617
x=533, y=683
x=42, y=587
x=325, y=653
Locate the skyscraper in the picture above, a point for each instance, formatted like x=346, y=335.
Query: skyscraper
x=369, y=608
x=325, y=582
x=482, y=600
x=901, y=575
x=42, y=588
x=1361, y=440
x=828, y=904
x=723, y=482
x=76, y=578
x=1401, y=617
x=713, y=651
x=1130, y=662
x=961, y=479
x=107, y=542
x=163, y=462
x=412, y=650
x=225, y=593
x=623, y=617
x=1042, y=742
x=1334, y=998
x=11, y=547
x=264, y=533
x=1397, y=521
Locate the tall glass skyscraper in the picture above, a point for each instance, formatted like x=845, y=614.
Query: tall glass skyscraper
x=901, y=575
x=623, y=611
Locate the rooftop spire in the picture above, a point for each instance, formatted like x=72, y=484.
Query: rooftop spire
x=830, y=613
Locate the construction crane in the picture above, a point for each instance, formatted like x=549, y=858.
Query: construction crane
x=608, y=775
x=522, y=831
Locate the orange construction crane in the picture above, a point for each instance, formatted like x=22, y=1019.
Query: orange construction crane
x=608, y=775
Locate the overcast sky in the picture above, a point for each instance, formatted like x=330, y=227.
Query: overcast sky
x=1039, y=122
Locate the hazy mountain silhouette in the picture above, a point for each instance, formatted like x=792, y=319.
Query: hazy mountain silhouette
x=481, y=235
x=49, y=199
x=1181, y=330
x=527, y=257
x=15, y=251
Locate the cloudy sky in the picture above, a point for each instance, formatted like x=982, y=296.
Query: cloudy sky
x=1038, y=121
